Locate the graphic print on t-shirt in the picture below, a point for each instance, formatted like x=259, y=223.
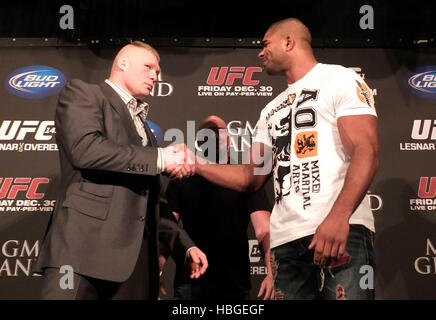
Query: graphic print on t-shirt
x=306, y=144
x=364, y=93
x=305, y=173
x=318, y=161
x=281, y=153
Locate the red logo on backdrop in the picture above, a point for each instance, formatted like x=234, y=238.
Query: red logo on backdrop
x=426, y=201
x=9, y=187
x=227, y=75
x=427, y=187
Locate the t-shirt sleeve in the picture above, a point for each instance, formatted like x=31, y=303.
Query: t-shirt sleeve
x=258, y=200
x=353, y=96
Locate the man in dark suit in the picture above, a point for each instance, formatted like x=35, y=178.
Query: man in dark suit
x=106, y=224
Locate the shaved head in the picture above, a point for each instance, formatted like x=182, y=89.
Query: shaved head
x=136, y=69
x=130, y=50
x=292, y=26
x=213, y=122
x=222, y=142
x=287, y=49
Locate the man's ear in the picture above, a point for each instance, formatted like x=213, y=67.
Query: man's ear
x=290, y=43
x=123, y=64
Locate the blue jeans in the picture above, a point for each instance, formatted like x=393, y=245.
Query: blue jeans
x=352, y=278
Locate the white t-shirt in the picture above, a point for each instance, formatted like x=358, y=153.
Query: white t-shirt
x=310, y=161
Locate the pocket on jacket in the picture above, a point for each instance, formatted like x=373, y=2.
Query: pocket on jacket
x=87, y=206
x=99, y=190
x=90, y=199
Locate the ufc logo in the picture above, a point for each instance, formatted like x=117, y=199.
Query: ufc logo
x=426, y=189
x=9, y=187
x=18, y=129
x=424, y=129
x=221, y=75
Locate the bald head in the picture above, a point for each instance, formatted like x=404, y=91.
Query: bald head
x=213, y=122
x=287, y=49
x=218, y=151
x=294, y=27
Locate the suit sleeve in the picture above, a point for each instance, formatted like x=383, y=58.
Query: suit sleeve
x=81, y=131
x=175, y=239
x=173, y=194
x=171, y=235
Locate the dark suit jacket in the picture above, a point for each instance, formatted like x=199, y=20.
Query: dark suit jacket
x=110, y=191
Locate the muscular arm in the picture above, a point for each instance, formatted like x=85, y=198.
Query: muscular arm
x=241, y=177
x=359, y=138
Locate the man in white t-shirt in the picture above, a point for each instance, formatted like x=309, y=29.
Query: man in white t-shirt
x=319, y=137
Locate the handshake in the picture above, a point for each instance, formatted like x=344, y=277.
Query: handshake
x=179, y=161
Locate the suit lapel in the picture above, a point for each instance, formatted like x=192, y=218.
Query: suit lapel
x=120, y=107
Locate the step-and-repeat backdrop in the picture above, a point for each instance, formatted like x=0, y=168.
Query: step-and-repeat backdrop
x=195, y=83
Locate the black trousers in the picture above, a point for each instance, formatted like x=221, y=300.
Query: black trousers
x=139, y=286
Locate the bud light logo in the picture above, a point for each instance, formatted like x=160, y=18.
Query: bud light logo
x=35, y=82
x=423, y=82
x=157, y=131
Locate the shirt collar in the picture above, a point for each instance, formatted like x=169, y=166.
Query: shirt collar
x=124, y=95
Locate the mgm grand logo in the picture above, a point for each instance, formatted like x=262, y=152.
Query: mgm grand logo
x=17, y=257
x=427, y=264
